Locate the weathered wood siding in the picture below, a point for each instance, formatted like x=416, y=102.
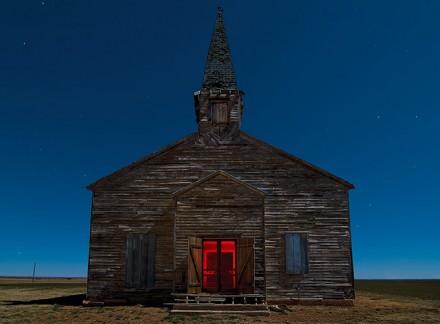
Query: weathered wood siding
x=218, y=208
x=117, y=212
x=142, y=199
x=323, y=216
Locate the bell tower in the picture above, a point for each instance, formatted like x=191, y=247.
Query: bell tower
x=219, y=103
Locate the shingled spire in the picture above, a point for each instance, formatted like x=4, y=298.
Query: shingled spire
x=219, y=73
x=219, y=104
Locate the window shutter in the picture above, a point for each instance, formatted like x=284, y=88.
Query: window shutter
x=245, y=265
x=130, y=261
x=151, y=260
x=194, y=265
x=304, y=254
x=296, y=253
x=140, y=258
x=137, y=261
x=219, y=112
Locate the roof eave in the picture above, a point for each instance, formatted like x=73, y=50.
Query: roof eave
x=133, y=165
x=308, y=165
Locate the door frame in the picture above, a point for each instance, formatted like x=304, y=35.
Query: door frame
x=244, y=269
x=219, y=264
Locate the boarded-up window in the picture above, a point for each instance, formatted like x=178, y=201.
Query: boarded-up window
x=219, y=112
x=296, y=253
x=140, y=256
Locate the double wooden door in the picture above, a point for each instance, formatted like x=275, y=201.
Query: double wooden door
x=221, y=265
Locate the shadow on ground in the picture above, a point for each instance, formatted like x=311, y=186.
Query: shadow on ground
x=71, y=300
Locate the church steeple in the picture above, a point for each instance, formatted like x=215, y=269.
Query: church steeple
x=219, y=73
x=219, y=103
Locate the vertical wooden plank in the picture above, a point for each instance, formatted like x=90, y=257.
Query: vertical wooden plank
x=198, y=254
x=137, y=261
x=143, y=260
x=151, y=260
x=129, y=260
x=296, y=253
x=194, y=265
x=290, y=269
x=304, y=254
x=245, y=265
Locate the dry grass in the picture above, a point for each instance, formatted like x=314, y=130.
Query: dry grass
x=370, y=307
x=422, y=289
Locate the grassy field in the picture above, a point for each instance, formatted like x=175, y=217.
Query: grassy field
x=423, y=289
x=59, y=301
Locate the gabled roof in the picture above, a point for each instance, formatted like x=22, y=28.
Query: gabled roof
x=212, y=176
x=309, y=166
x=245, y=137
x=219, y=73
x=133, y=165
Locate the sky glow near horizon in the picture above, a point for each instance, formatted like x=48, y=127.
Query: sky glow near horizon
x=87, y=87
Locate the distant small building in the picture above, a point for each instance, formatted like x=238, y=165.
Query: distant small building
x=220, y=212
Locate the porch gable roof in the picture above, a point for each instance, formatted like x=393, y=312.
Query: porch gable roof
x=212, y=176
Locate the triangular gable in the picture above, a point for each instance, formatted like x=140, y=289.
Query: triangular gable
x=133, y=165
x=246, y=137
x=309, y=166
x=212, y=176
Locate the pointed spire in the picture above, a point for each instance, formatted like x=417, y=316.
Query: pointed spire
x=219, y=73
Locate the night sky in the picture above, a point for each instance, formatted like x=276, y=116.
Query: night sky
x=88, y=86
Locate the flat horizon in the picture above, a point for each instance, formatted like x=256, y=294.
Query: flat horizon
x=375, y=279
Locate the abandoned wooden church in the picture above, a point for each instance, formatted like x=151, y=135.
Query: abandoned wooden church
x=220, y=212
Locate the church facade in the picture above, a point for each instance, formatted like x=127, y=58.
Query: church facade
x=220, y=212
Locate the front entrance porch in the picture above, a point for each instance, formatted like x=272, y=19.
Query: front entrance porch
x=204, y=303
x=221, y=266
x=227, y=214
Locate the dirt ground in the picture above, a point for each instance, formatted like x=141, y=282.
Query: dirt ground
x=51, y=302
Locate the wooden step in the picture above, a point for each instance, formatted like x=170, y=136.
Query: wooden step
x=219, y=298
x=200, y=300
x=217, y=311
x=230, y=307
x=210, y=300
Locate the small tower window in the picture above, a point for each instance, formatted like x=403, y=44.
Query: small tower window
x=219, y=112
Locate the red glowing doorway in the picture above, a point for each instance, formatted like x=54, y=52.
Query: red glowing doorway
x=219, y=265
